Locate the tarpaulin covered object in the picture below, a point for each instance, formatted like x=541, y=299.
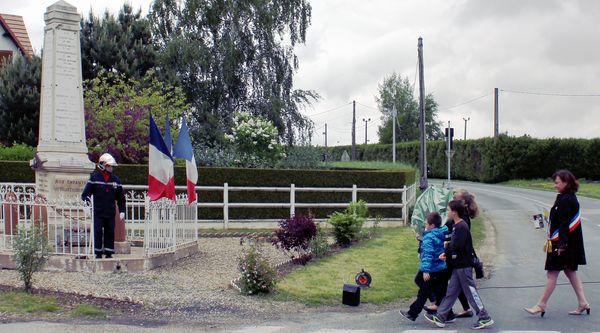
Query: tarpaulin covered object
x=433, y=199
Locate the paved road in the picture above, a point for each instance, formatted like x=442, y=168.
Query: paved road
x=516, y=281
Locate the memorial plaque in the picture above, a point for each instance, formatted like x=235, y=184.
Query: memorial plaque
x=69, y=186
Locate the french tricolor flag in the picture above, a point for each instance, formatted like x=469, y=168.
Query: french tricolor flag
x=183, y=149
x=161, y=181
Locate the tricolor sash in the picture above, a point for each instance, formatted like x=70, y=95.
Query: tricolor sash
x=575, y=221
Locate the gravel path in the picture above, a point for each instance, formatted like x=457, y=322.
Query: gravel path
x=193, y=290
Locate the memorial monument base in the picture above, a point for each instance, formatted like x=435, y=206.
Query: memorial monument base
x=122, y=248
x=62, y=175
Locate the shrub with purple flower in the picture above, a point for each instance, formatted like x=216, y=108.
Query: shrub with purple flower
x=294, y=237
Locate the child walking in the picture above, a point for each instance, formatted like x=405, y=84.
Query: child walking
x=461, y=246
x=433, y=269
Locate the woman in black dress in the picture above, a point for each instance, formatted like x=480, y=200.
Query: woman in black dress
x=567, y=251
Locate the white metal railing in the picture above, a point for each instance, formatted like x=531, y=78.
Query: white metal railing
x=170, y=225
x=68, y=228
x=136, y=196
x=164, y=225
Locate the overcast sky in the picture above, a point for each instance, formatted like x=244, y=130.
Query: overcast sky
x=541, y=54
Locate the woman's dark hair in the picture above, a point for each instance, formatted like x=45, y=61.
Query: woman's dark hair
x=567, y=177
x=434, y=218
x=457, y=206
x=469, y=200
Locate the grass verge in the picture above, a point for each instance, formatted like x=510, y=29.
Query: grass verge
x=368, y=165
x=86, y=310
x=390, y=258
x=21, y=302
x=588, y=190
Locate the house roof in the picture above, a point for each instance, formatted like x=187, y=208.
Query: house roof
x=15, y=27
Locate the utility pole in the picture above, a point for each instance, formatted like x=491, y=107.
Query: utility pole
x=353, y=131
x=449, y=150
x=325, y=142
x=466, y=126
x=495, y=114
x=394, y=134
x=423, y=180
x=366, y=121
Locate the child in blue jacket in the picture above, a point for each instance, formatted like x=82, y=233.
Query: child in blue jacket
x=432, y=267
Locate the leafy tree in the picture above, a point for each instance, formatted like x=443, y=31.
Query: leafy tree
x=116, y=115
x=120, y=44
x=233, y=56
x=20, y=85
x=396, y=95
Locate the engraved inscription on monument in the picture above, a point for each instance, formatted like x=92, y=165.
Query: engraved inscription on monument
x=67, y=118
x=69, y=186
x=47, y=87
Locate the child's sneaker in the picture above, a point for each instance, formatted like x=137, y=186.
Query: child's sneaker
x=451, y=317
x=482, y=322
x=407, y=315
x=435, y=319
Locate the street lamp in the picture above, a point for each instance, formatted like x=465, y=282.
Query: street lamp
x=366, y=121
x=467, y=119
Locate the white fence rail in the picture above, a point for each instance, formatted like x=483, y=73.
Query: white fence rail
x=163, y=225
x=136, y=195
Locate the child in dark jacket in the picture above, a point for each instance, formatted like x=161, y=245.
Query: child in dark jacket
x=461, y=247
x=432, y=267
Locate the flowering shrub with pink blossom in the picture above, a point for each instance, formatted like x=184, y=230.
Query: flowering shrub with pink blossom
x=116, y=116
x=255, y=141
x=258, y=276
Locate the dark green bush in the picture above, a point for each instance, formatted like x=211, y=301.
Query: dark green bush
x=347, y=226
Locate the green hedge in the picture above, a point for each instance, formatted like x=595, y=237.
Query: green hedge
x=485, y=161
x=138, y=175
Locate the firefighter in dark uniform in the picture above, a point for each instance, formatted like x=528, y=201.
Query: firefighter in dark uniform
x=105, y=188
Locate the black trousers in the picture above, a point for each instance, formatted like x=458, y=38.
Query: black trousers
x=104, y=235
x=437, y=285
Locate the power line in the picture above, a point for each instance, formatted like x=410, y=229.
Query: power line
x=316, y=114
x=367, y=106
x=548, y=94
x=473, y=100
x=339, y=130
x=344, y=115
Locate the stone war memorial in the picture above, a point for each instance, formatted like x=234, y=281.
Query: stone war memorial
x=62, y=168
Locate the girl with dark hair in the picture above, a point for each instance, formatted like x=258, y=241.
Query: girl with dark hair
x=461, y=246
x=566, y=237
